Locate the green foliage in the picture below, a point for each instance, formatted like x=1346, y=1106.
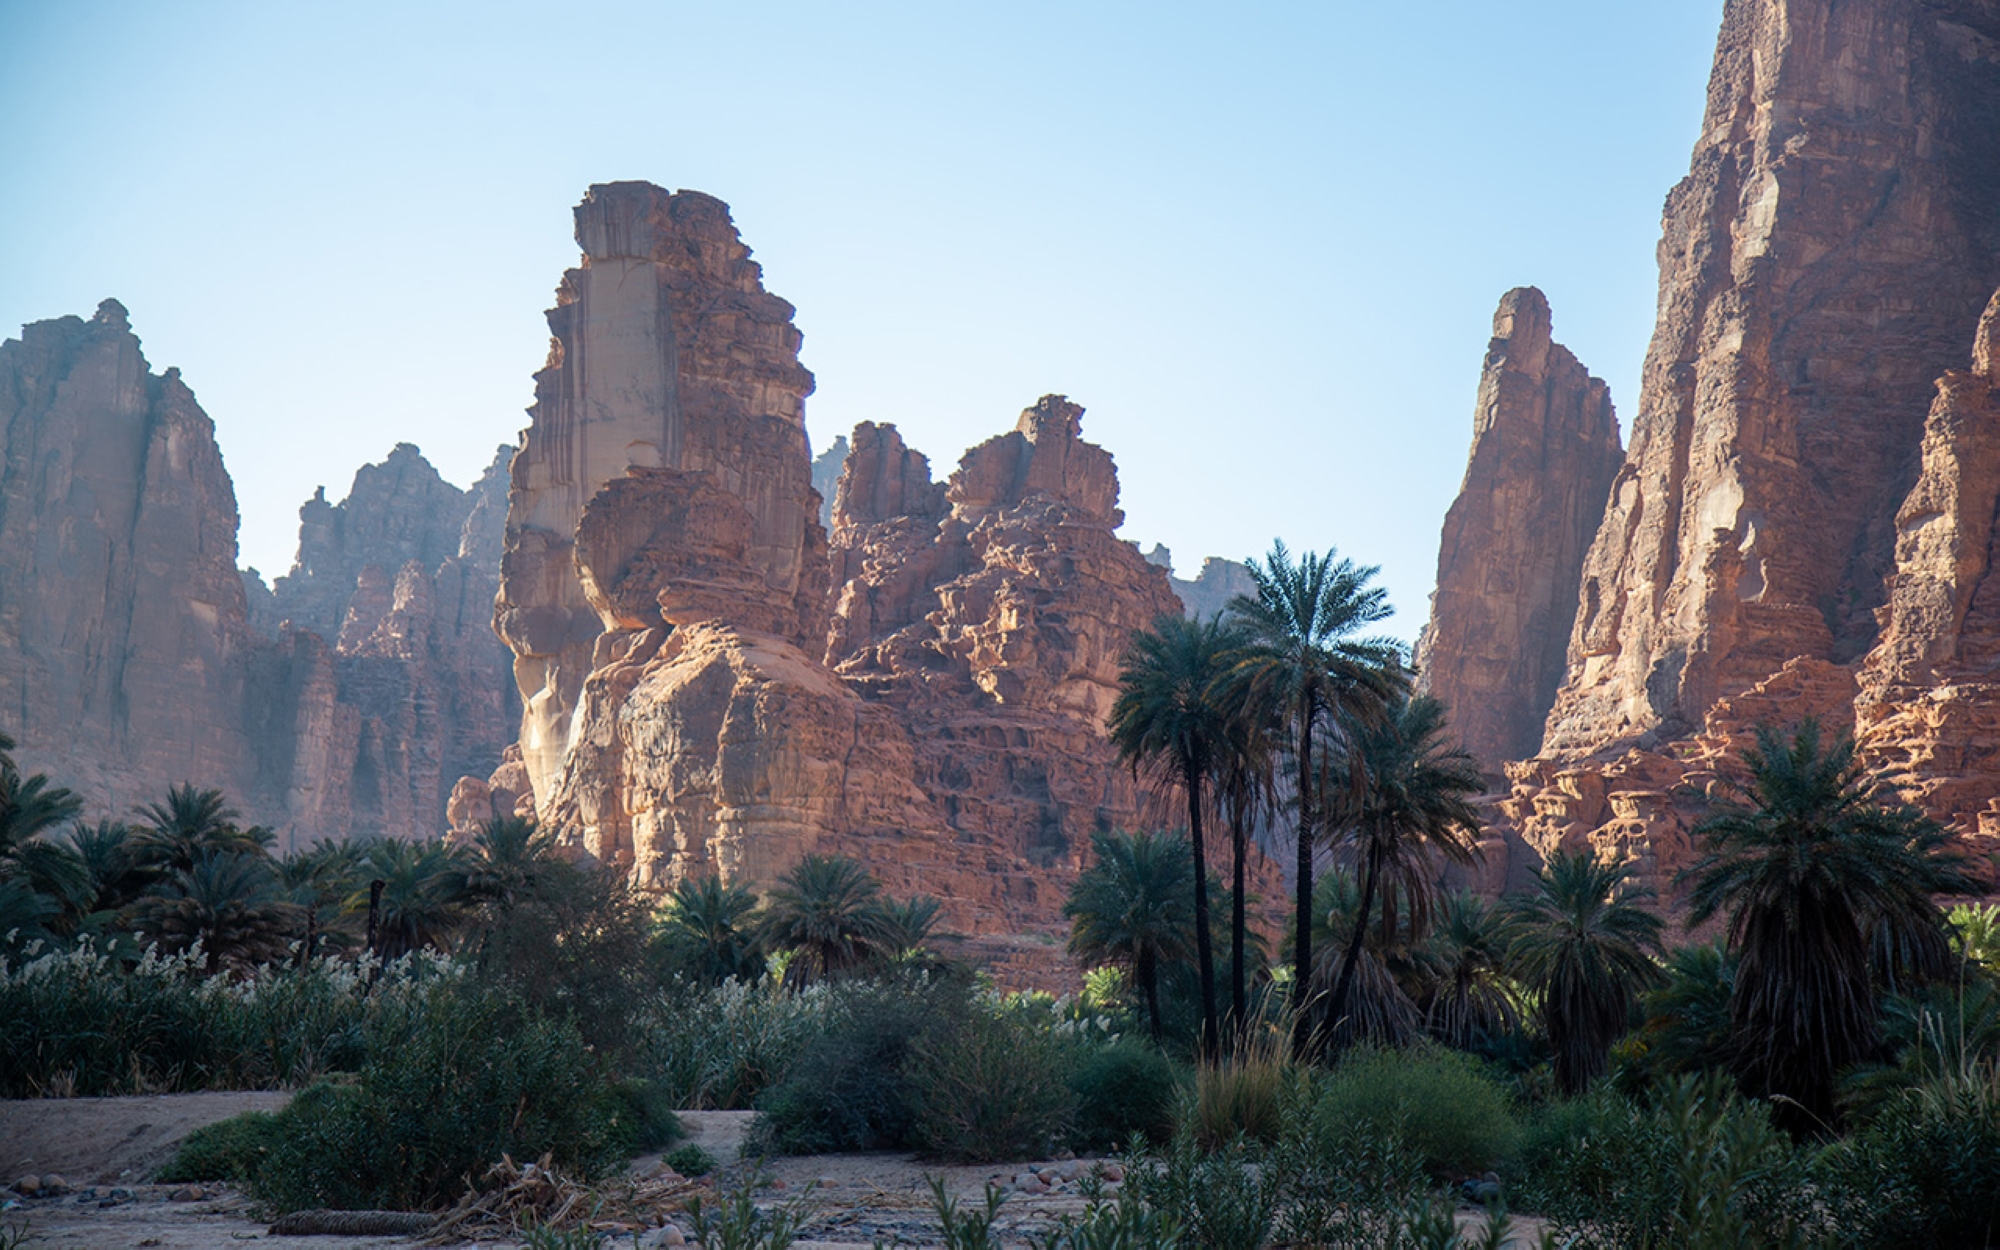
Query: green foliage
x=1242, y=1097
x=721, y=1047
x=828, y=911
x=847, y=1089
x=1453, y=1118
x=1698, y=1168
x=1925, y=1171
x=1217, y=1198
x=966, y=1229
x=985, y=1085
x=1120, y=1090
x=646, y=1119
x=736, y=1223
x=228, y=1150
x=1128, y=1223
x=471, y=1076
x=1586, y=946
x=691, y=1160
x=705, y=932
x=1133, y=908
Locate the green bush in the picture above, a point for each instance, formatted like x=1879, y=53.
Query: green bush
x=987, y=1084
x=646, y=1119
x=228, y=1150
x=1453, y=1116
x=1926, y=1170
x=1699, y=1167
x=847, y=1089
x=691, y=1160
x=1122, y=1089
x=720, y=1047
x=478, y=1075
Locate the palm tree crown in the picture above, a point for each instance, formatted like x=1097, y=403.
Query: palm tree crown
x=1586, y=947
x=706, y=931
x=1829, y=886
x=828, y=911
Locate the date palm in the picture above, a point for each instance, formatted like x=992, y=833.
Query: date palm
x=1472, y=996
x=1412, y=806
x=1379, y=1007
x=1133, y=908
x=828, y=911
x=1169, y=721
x=29, y=808
x=706, y=931
x=228, y=903
x=421, y=904
x=174, y=834
x=1305, y=659
x=1586, y=948
x=1829, y=886
x=1246, y=786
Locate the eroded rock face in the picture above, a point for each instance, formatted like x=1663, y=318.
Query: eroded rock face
x=666, y=353
x=1544, y=450
x=1218, y=582
x=1825, y=259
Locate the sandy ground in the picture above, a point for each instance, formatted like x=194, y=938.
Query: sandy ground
x=107, y=1147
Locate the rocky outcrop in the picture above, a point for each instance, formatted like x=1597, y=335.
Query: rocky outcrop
x=826, y=474
x=1825, y=259
x=1544, y=450
x=666, y=353
x=1217, y=583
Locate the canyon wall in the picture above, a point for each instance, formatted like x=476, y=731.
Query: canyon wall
x=1544, y=450
x=1790, y=533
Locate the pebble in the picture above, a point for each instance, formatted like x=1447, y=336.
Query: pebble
x=671, y=1236
x=1112, y=1172
x=53, y=1185
x=186, y=1193
x=28, y=1186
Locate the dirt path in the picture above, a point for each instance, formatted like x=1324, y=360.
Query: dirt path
x=107, y=1147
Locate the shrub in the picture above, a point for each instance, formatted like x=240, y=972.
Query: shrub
x=847, y=1089
x=721, y=1047
x=1926, y=1170
x=1121, y=1089
x=1454, y=1117
x=1216, y=1198
x=1701, y=1167
x=1242, y=1097
x=477, y=1076
x=646, y=1119
x=691, y=1160
x=228, y=1150
x=987, y=1084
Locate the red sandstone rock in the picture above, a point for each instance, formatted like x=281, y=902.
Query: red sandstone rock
x=1544, y=451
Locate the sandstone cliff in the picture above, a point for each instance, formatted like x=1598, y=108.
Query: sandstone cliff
x=1785, y=507
x=1216, y=583
x=1825, y=259
x=1544, y=450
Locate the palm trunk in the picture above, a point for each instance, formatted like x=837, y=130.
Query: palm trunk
x=1238, y=932
x=1302, y=1029
x=1204, y=947
x=1353, y=957
x=1149, y=982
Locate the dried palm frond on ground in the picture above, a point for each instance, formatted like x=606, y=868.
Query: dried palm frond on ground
x=517, y=1197
x=322, y=1223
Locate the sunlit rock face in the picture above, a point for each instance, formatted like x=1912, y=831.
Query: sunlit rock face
x=1826, y=259
x=1544, y=450
x=1803, y=520
x=666, y=353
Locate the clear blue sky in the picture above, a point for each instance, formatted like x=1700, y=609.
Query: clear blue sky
x=1260, y=243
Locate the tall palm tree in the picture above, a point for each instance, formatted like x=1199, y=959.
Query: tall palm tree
x=1379, y=1007
x=707, y=932
x=1169, y=720
x=1829, y=886
x=175, y=833
x=1586, y=948
x=1246, y=785
x=828, y=910
x=1304, y=659
x=1412, y=805
x=1132, y=908
x=229, y=903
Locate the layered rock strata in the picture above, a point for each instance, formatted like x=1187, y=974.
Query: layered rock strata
x=1214, y=586
x=1789, y=534
x=1544, y=450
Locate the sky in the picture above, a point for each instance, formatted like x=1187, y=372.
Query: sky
x=1260, y=243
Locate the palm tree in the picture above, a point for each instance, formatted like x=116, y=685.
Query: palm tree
x=29, y=808
x=316, y=881
x=1169, y=719
x=1412, y=805
x=1246, y=784
x=420, y=906
x=1472, y=997
x=1585, y=947
x=828, y=911
x=1133, y=909
x=105, y=849
x=707, y=932
x=1830, y=888
x=1304, y=660
x=229, y=903
x=191, y=821
x=1380, y=1008
x=509, y=857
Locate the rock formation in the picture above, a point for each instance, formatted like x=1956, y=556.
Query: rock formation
x=825, y=474
x=1544, y=449
x=1783, y=497
x=1825, y=259
x=696, y=699
x=1212, y=589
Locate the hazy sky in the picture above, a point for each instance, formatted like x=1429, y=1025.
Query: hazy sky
x=1260, y=243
